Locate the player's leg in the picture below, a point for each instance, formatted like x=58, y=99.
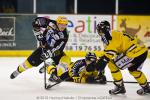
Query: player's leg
x=52, y=71
x=61, y=70
x=62, y=67
x=55, y=62
x=67, y=75
x=82, y=76
x=32, y=61
x=48, y=62
x=142, y=81
x=118, y=80
x=139, y=75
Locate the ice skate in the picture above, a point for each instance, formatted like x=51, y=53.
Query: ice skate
x=144, y=90
x=53, y=76
x=119, y=89
x=14, y=74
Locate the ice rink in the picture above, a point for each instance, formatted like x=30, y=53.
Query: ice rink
x=30, y=85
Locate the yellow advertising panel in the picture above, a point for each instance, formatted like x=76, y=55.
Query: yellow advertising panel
x=136, y=25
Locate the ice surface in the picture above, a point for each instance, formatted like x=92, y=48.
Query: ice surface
x=30, y=86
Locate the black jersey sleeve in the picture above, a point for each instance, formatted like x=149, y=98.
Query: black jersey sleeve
x=77, y=65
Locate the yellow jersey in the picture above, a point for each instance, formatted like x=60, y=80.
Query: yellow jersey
x=124, y=43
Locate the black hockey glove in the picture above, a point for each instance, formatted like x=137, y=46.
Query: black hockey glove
x=101, y=63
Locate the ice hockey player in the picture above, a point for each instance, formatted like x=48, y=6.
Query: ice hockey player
x=52, y=36
x=80, y=71
x=123, y=51
x=85, y=71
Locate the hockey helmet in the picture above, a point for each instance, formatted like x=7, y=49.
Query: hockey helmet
x=103, y=29
x=62, y=20
x=91, y=56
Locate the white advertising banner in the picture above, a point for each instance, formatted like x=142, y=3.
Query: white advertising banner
x=82, y=31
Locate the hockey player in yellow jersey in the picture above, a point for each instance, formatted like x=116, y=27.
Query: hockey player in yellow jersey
x=85, y=71
x=80, y=71
x=123, y=51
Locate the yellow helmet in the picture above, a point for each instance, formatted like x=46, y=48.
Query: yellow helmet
x=62, y=20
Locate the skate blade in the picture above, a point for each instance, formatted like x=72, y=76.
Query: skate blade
x=116, y=93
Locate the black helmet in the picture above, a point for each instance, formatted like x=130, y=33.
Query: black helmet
x=91, y=56
x=103, y=26
x=103, y=29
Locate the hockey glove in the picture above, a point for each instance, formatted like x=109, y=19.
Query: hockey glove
x=101, y=63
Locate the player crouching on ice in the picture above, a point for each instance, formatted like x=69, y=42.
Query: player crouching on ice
x=81, y=71
x=52, y=36
x=85, y=71
x=121, y=50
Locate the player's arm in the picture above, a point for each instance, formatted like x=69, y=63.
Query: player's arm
x=77, y=65
x=101, y=63
x=40, y=25
x=40, y=30
x=108, y=54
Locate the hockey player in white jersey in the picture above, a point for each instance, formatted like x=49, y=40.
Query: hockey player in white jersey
x=52, y=36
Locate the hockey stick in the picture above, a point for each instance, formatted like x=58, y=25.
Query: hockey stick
x=127, y=82
x=45, y=83
x=50, y=86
